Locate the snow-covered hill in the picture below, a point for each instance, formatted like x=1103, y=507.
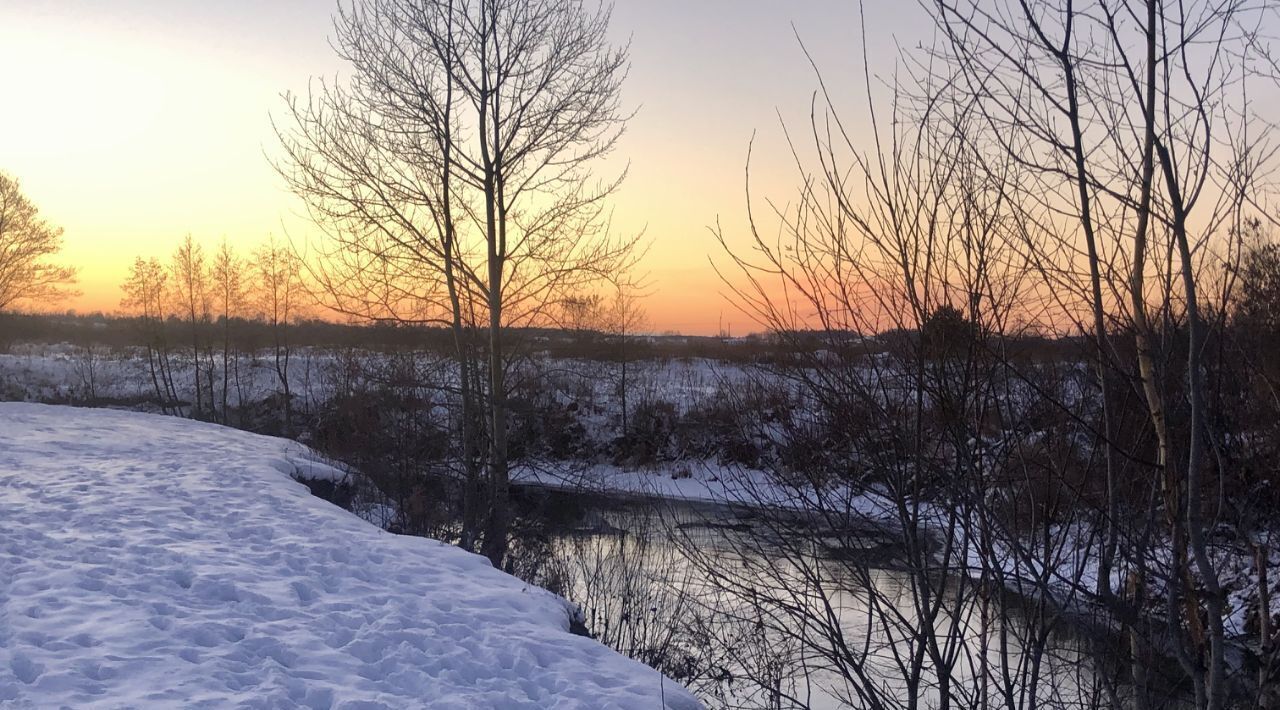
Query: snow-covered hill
x=150, y=561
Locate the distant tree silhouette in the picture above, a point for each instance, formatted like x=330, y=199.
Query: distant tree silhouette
x=229, y=287
x=190, y=282
x=145, y=294
x=279, y=293
x=947, y=333
x=1259, y=308
x=26, y=242
x=623, y=318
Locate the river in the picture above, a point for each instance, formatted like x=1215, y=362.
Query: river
x=750, y=618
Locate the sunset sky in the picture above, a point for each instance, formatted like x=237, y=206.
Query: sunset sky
x=131, y=123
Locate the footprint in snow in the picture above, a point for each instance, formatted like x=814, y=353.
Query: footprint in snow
x=25, y=669
x=306, y=593
x=182, y=577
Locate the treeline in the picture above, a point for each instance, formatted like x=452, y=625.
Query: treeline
x=122, y=331
x=185, y=310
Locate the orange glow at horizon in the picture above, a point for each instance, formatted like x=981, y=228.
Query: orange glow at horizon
x=134, y=125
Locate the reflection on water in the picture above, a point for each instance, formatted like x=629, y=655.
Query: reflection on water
x=748, y=621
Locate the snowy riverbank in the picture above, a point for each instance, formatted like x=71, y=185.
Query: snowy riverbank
x=156, y=561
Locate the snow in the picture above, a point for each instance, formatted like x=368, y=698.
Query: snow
x=150, y=561
x=697, y=482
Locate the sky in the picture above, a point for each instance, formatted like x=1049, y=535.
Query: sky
x=132, y=123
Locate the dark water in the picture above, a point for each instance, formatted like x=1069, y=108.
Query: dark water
x=678, y=586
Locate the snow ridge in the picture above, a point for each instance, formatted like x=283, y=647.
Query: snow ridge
x=150, y=561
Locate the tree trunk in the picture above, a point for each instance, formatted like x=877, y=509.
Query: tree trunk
x=495, y=539
x=1213, y=595
x=195, y=353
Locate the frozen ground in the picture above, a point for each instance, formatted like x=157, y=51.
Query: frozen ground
x=150, y=561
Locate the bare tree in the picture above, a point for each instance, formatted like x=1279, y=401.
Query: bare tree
x=1132, y=129
x=1071, y=166
x=624, y=318
x=452, y=175
x=278, y=292
x=26, y=242
x=581, y=312
x=86, y=364
x=227, y=275
x=190, y=281
x=146, y=291
x=887, y=290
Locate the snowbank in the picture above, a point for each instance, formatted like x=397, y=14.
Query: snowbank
x=150, y=561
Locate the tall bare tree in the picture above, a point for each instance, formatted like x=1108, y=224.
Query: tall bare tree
x=452, y=176
x=228, y=283
x=1108, y=151
x=1133, y=131
x=884, y=281
x=146, y=294
x=279, y=294
x=624, y=318
x=189, y=274
x=26, y=243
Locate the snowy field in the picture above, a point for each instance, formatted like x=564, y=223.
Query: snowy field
x=61, y=372
x=150, y=561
